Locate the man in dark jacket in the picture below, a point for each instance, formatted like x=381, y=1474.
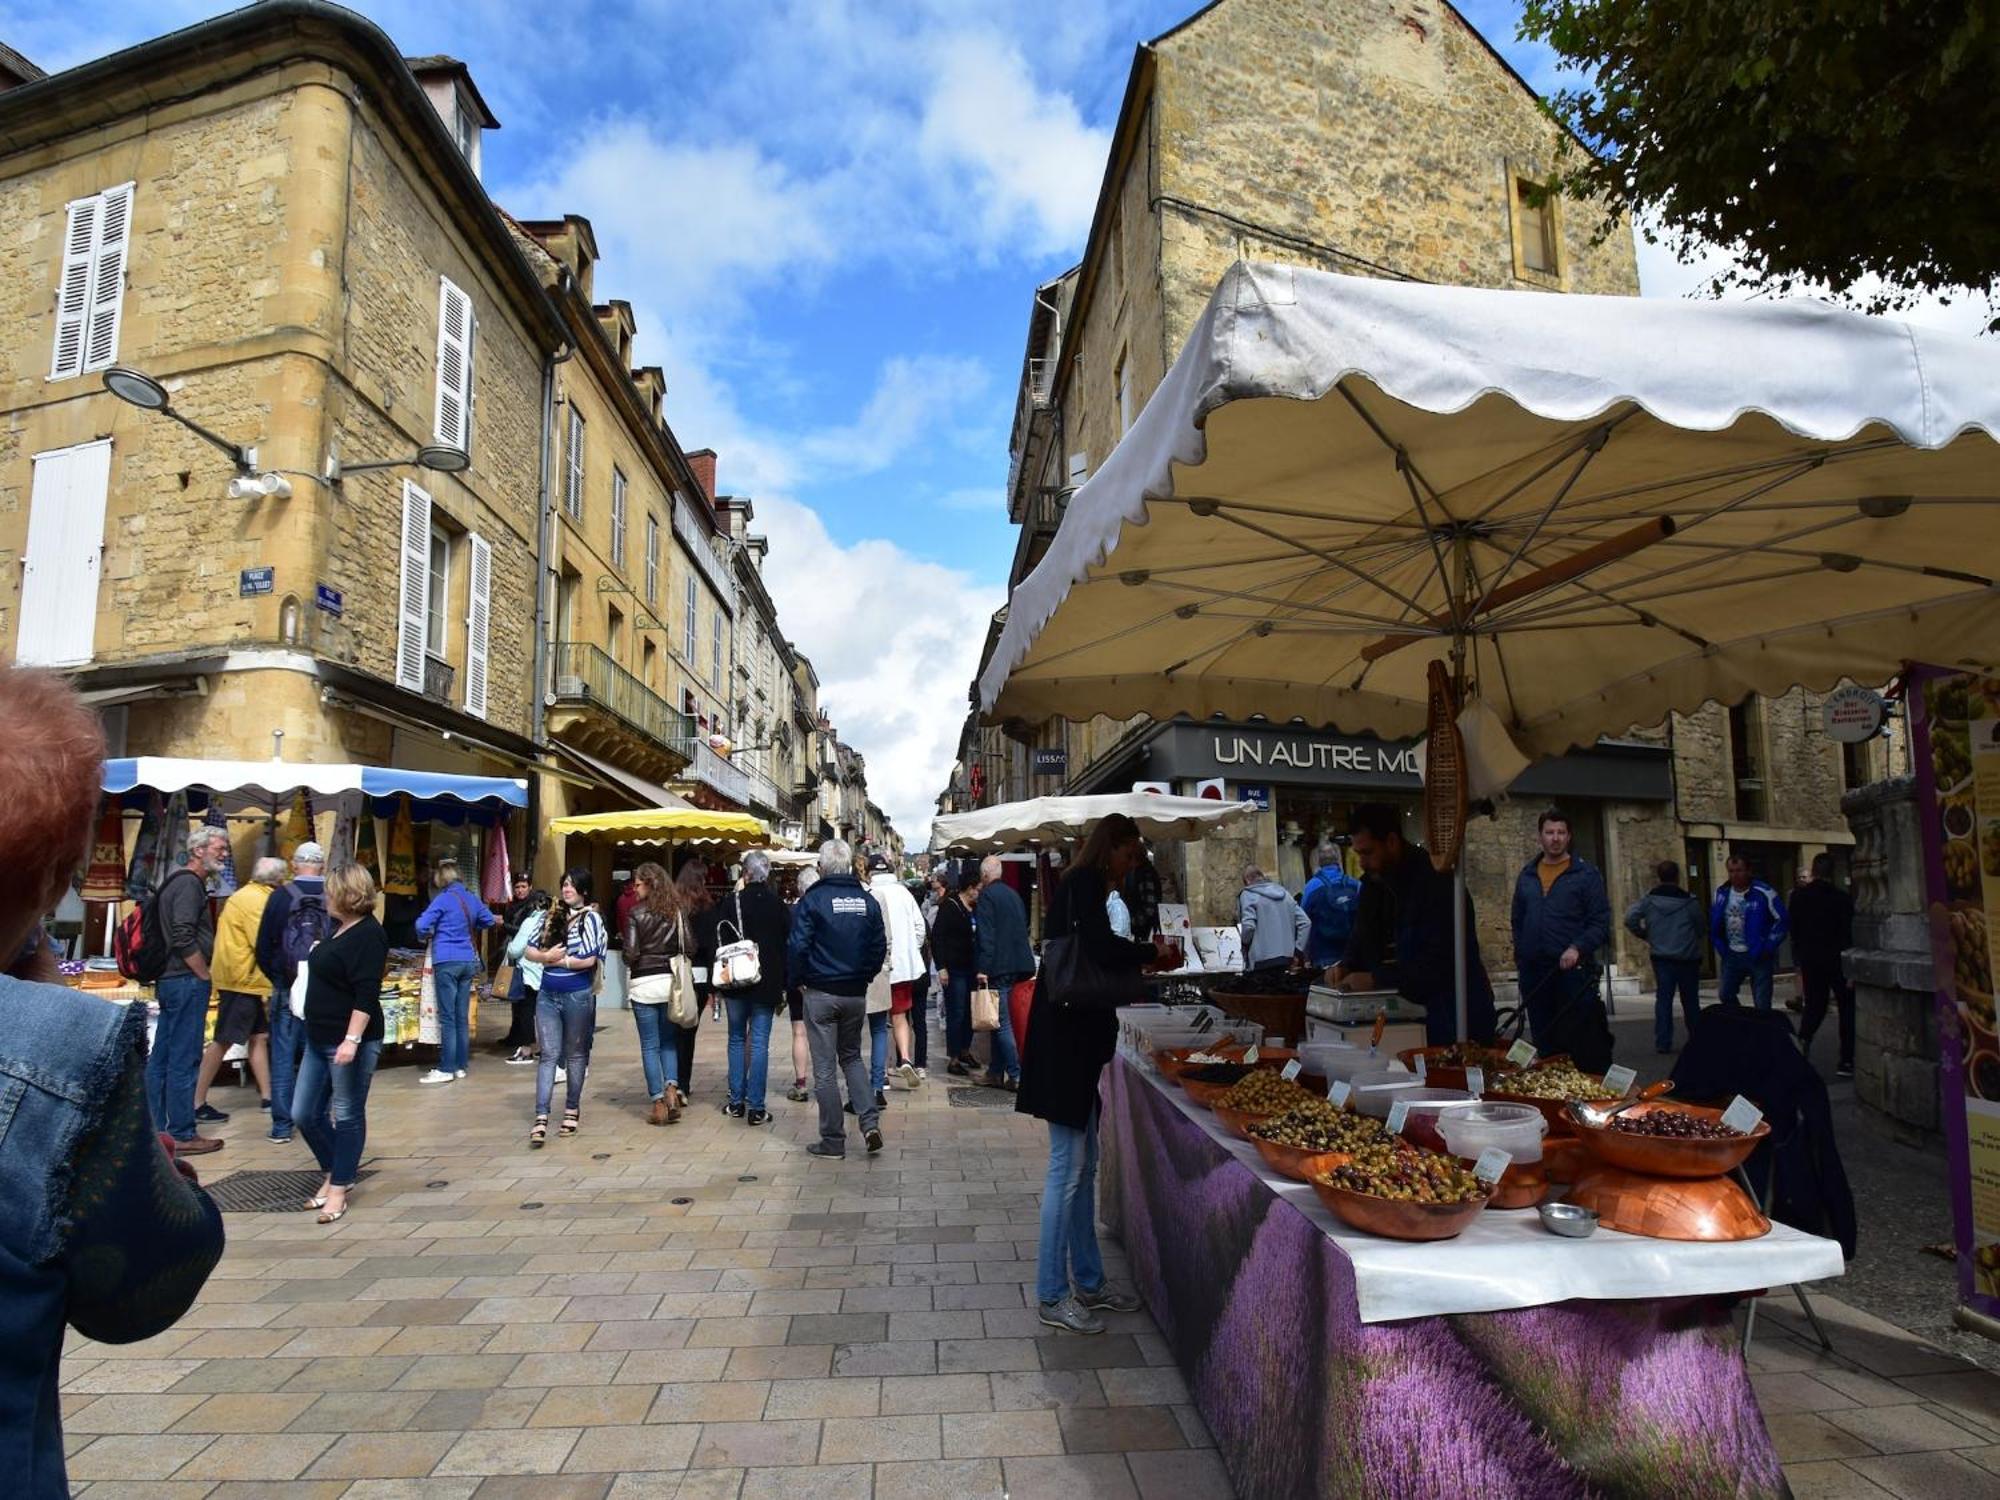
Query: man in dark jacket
x=838, y=944
x=1561, y=917
x=1420, y=897
x=1007, y=962
x=282, y=941
x=1823, y=929
x=1670, y=919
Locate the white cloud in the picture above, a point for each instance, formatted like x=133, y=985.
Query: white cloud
x=914, y=397
x=894, y=639
x=989, y=499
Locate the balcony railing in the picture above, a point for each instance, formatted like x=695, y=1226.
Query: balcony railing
x=712, y=770
x=438, y=676
x=765, y=791
x=584, y=673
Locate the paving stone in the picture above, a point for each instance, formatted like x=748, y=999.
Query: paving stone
x=151, y=1456
x=1120, y=1429
x=354, y=1411
x=382, y=1455
x=1096, y=1476
x=1900, y=1429
x=245, y=1412
x=259, y=1456
x=1806, y=1435
x=1028, y=1390
x=661, y=1366
x=1926, y=1476
x=410, y=1489
x=127, y=1414
x=739, y=1332
x=539, y=1451
x=750, y=1445
x=1145, y=1386
x=458, y=1372
x=594, y=1406
x=1002, y=1434
x=1184, y=1476
x=710, y=1401
x=984, y=1356
x=468, y=1411
x=635, y=1446
x=816, y=1482
x=958, y=1479
x=1830, y=1479
x=879, y=1439
x=852, y=1396
x=885, y=1359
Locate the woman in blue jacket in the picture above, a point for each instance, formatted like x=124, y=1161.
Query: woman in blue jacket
x=449, y=922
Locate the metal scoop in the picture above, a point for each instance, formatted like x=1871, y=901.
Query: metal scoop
x=1598, y=1116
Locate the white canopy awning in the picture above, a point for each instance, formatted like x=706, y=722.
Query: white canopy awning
x=1614, y=506
x=1050, y=820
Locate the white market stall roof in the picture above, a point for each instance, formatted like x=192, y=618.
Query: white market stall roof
x=1050, y=820
x=1613, y=506
x=268, y=780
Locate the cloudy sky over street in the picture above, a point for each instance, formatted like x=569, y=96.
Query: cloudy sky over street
x=829, y=216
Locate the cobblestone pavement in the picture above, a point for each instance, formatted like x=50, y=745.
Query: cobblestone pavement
x=494, y=1321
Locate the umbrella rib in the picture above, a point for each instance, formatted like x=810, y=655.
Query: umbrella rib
x=1922, y=570
x=1735, y=471
x=1413, y=479
x=1593, y=445
x=1590, y=441
x=1292, y=512
x=1282, y=603
x=1565, y=612
x=1328, y=558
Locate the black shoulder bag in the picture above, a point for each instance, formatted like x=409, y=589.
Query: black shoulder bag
x=1072, y=979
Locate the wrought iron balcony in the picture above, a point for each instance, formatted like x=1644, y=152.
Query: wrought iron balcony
x=438, y=676
x=584, y=673
x=712, y=770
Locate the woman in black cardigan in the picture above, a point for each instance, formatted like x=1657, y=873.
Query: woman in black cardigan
x=1066, y=1051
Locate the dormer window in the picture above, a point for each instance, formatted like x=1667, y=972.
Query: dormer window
x=448, y=84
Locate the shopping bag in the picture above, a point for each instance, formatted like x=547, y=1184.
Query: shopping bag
x=683, y=1001
x=985, y=1009
x=297, y=998
x=738, y=964
x=427, y=1002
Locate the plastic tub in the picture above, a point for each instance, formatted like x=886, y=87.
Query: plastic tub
x=1516, y=1129
x=1426, y=1106
x=1338, y=1060
x=1233, y=1034
x=1376, y=1089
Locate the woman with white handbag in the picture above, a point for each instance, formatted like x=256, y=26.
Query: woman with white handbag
x=748, y=972
x=659, y=945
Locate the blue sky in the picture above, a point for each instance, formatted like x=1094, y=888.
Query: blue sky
x=829, y=216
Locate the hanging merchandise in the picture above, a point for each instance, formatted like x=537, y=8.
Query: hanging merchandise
x=366, y=853
x=224, y=883
x=104, y=879
x=143, y=876
x=497, y=884
x=400, y=877
x=341, y=851
x=298, y=826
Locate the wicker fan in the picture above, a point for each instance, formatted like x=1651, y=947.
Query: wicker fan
x=1444, y=773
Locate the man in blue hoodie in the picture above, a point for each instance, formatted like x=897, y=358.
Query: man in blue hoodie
x=838, y=943
x=1747, y=923
x=1329, y=901
x=1561, y=917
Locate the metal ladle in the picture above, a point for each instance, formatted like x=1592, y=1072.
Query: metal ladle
x=1598, y=1118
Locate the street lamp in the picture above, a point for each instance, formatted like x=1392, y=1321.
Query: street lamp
x=439, y=458
x=136, y=388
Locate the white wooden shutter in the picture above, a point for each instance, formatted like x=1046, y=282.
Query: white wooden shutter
x=573, y=473
x=414, y=598
x=453, y=424
x=478, y=612
x=58, y=611
x=73, y=292
x=107, y=278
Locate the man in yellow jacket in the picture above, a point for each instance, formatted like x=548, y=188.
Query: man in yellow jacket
x=240, y=989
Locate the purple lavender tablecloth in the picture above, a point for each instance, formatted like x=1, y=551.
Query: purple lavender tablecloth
x=1640, y=1399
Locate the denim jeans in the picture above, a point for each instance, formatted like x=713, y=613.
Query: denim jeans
x=657, y=1048
x=878, y=1051
x=330, y=1106
x=288, y=1035
x=1002, y=1059
x=175, y=1060
x=453, y=983
x=1737, y=967
x=1671, y=975
x=1069, y=1252
x=958, y=1015
x=749, y=1033
x=564, y=1024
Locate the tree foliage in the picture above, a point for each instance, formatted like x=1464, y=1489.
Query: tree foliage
x=1824, y=141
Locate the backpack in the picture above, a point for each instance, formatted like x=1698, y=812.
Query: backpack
x=1331, y=909
x=305, y=924
x=140, y=943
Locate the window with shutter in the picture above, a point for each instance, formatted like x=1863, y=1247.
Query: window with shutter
x=413, y=598
x=478, y=612
x=573, y=474
x=715, y=650
x=617, y=518
x=453, y=423
x=652, y=558
x=57, y=618
x=688, y=625
x=91, y=290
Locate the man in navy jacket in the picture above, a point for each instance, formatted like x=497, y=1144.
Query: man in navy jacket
x=1562, y=916
x=837, y=946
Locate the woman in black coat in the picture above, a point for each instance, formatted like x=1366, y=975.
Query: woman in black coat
x=1067, y=1050
x=756, y=914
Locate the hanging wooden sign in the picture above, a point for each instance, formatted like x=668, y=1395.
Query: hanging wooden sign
x=1445, y=801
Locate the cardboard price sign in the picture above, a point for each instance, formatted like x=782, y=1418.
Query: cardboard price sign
x=1742, y=1115
x=1398, y=1113
x=1337, y=1093
x=1521, y=1054
x=1475, y=1082
x=1291, y=1070
x=1492, y=1164
x=1619, y=1080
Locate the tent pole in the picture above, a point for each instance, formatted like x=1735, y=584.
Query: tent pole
x=1458, y=942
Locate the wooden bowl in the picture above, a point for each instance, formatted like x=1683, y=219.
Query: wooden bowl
x=1238, y=1121
x=1522, y=1185
x=1669, y=1208
x=1668, y=1156
x=1296, y=1162
x=1205, y=1091
x=1563, y=1158
x=1391, y=1217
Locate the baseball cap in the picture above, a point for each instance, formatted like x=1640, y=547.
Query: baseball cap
x=877, y=862
x=309, y=853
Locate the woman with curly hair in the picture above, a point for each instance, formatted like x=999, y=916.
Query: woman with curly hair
x=657, y=931
x=699, y=907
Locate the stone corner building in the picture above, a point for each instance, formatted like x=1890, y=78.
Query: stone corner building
x=1379, y=141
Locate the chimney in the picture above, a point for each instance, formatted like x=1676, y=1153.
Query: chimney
x=702, y=462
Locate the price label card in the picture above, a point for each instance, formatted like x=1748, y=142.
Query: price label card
x=1619, y=1080
x=1423, y=1066
x=1491, y=1164
x=1475, y=1081
x=1249, y=1055
x=1742, y=1115
x=1292, y=1070
x=1521, y=1054
x=1398, y=1113
x=1338, y=1091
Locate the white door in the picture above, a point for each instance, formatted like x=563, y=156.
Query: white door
x=58, y=624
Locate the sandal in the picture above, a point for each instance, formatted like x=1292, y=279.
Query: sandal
x=332, y=1215
x=318, y=1200
x=570, y=1120
x=676, y=1102
x=538, y=1135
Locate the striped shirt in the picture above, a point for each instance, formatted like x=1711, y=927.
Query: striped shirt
x=585, y=938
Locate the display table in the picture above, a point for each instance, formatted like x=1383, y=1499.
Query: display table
x=1260, y=1295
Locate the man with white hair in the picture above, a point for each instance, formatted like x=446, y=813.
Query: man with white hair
x=1006, y=961
x=294, y=919
x=239, y=989
x=182, y=991
x=837, y=945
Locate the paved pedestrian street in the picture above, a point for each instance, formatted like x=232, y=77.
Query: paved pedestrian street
x=702, y=1312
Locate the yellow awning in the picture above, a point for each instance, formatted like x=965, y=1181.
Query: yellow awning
x=658, y=824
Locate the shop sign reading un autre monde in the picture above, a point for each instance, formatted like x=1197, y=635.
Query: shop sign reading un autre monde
x=1395, y=760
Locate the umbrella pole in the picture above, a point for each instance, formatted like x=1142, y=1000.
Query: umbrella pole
x=1458, y=942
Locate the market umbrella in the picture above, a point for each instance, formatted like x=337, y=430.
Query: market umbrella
x=1594, y=510
x=1050, y=820
x=649, y=825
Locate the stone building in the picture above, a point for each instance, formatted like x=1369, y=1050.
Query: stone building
x=1369, y=140
x=766, y=692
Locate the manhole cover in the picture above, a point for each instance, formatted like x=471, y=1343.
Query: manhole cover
x=748, y=1177
x=600, y=1156
x=268, y=1192
x=440, y=1183
x=531, y=1205
x=680, y=1200
x=979, y=1097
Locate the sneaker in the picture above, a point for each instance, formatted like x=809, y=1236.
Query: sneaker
x=436, y=1075
x=1108, y=1299
x=459, y=1074
x=562, y=1075
x=522, y=1058
x=957, y=1069
x=992, y=1081
x=874, y=1140
x=757, y=1117
x=797, y=1092
x=821, y=1148
x=881, y=1100
x=1845, y=1070
x=922, y=1076
x=265, y=1105
x=280, y=1137
x=197, y=1145
x=734, y=1111
x=1071, y=1316
x=907, y=1073
x=208, y=1114
x=968, y=1062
